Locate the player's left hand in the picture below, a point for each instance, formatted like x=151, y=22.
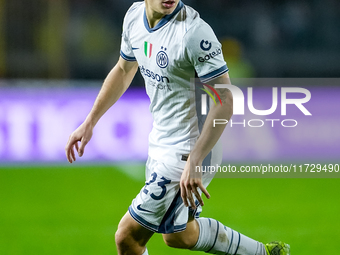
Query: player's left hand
x=190, y=181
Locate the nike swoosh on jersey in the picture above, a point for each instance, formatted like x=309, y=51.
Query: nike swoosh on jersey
x=141, y=209
x=135, y=48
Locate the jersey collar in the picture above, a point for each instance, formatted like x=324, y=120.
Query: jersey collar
x=164, y=20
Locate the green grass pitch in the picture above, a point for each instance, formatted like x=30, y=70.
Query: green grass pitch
x=76, y=210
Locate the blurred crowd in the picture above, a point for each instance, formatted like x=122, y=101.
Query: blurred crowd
x=80, y=39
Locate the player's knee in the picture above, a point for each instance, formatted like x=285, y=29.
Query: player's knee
x=119, y=237
x=176, y=241
x=122, y=238
x=127, y=243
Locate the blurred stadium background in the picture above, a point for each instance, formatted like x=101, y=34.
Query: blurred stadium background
x=54, y=56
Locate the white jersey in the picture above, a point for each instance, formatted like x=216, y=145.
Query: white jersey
x=179, y=48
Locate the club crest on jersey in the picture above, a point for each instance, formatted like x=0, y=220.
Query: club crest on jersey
x=205, y=45
x=162, y=58
x=147, y=49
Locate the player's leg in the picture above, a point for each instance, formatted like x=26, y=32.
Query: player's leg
x=211, y=236
x=214, y=237
x=153, y=210
x=185, y=239
x=131, y=237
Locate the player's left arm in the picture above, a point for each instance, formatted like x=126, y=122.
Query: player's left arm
x=191, y=179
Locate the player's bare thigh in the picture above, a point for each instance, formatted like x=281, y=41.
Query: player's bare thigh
x=131, y=237
x=185, y=239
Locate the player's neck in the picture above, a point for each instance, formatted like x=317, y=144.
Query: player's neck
x=153, y=17
x=156, y=10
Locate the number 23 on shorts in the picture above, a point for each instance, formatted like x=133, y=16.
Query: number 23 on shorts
x=161, y=184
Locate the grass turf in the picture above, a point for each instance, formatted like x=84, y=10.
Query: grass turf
x=76, y=210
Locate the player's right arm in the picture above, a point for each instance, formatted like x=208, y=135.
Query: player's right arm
x=115, y=84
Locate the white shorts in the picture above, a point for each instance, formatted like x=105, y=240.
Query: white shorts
x=159, y=206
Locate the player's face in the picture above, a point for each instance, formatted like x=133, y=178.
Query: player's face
x=162, y=7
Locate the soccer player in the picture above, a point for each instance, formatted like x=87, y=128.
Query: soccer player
x=171, y=44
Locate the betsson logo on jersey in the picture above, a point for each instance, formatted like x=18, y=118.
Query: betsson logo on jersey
x=152, y=75
x=206, y=46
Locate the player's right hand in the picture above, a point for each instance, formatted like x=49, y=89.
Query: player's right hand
x=83, y=135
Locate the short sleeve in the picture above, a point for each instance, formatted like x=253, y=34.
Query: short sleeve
x=126, y=51
x=203, y=50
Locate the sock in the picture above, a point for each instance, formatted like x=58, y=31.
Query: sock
x=145, y=252
x=215, y=238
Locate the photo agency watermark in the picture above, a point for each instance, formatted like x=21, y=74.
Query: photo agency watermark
x=272, y=170
x=296, y=96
